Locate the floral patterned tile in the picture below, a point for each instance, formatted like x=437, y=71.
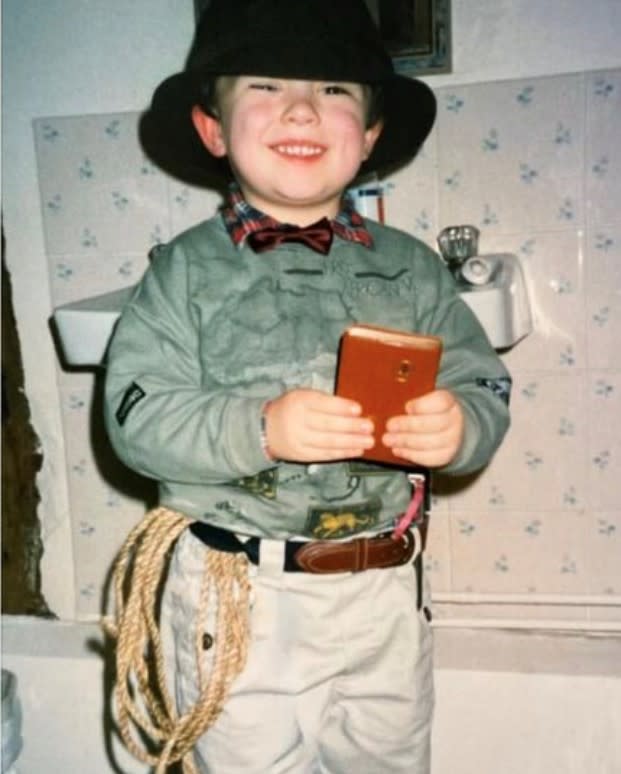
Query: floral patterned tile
x=437, y=557
x=542, y=118
x=106, y=498
x=74, y=277
x=603, y=162
x=603, y=296
x=89, y=147
x=518, y=201
x=603, y=328
x=128, y=214
x=98, y=547
x=411, y=196
x=553, y=266
x=604, y=439
x=510, y=154
x=603, y=553
x=189, y=205
x=519, y=552
x=97, y=189
x=541, y=463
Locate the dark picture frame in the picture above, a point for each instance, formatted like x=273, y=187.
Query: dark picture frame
x=417, y=33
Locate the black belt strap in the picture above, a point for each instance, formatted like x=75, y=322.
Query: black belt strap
x=418, y=569
x=223, y=540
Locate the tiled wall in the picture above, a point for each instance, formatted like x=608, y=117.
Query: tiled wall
x=535, y=166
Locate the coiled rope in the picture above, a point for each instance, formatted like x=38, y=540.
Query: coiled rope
x=143, y=702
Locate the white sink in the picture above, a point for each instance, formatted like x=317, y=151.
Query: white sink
x=85, y=326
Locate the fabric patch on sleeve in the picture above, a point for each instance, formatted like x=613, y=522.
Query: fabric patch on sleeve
x=133, y=395
x=501, y=387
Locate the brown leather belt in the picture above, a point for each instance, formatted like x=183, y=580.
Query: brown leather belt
x=323, y=556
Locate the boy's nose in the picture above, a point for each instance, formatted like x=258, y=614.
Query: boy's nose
x=301, y=107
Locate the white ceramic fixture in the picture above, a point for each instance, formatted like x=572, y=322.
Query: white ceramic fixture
x=84, y=327
x=493, y=286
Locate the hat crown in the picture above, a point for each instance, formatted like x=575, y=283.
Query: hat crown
x=306, y=39
x=316, y=40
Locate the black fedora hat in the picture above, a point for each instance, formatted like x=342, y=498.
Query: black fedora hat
x=299, y=39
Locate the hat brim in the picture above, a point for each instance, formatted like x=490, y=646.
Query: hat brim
x=169, y=140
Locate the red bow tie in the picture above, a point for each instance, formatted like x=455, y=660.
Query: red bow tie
x=317, y=236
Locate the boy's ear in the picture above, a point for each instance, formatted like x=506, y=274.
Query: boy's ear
x=210, y=131
x=371, y=136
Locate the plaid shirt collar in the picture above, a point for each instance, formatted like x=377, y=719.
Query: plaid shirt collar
x=242, y=219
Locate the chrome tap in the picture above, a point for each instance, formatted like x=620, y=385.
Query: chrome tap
x=457, y=244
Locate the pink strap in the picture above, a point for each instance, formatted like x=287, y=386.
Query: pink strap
x=406, y=519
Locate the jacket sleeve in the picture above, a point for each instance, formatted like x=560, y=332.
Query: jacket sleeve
x=161, y=420
x=470, y=367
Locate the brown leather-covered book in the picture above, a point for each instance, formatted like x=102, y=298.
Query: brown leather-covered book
x=383, y=369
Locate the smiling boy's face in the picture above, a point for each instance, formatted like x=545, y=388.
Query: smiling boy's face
x=293, y=145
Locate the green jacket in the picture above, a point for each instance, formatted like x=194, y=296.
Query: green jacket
x=213, y=330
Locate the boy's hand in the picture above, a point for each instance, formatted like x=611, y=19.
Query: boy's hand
x=431, y=431
x=311, y=426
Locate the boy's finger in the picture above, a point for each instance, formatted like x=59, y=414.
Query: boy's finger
x=335, y=405
x=434, y=402
x=337, y=423
x=418, y=424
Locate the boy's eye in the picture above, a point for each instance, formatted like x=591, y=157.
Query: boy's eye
x=263, y=86
x=336, y=88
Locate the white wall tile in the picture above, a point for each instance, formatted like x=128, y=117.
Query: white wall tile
x=602, y=552
x=519, y=552
x=541, y=464
x=603, y=296
x=76, y=276
x=604, y=438
x=554, y=270
x=411, y=195
x=603, y=162
x=510, y=154
x=437, y=557
x=189, y=205
x=97, y=188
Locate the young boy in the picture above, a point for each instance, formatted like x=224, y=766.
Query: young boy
x=220, y=384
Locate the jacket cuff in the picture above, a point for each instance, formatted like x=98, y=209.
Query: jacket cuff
x=245, y=431
x=467, y=460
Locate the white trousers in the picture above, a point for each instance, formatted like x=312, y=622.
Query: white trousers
x=339, y=677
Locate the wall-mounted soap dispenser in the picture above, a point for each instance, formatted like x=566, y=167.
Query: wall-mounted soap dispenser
x=492, y=285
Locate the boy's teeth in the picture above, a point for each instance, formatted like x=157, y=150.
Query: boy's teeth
x=298, y=150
